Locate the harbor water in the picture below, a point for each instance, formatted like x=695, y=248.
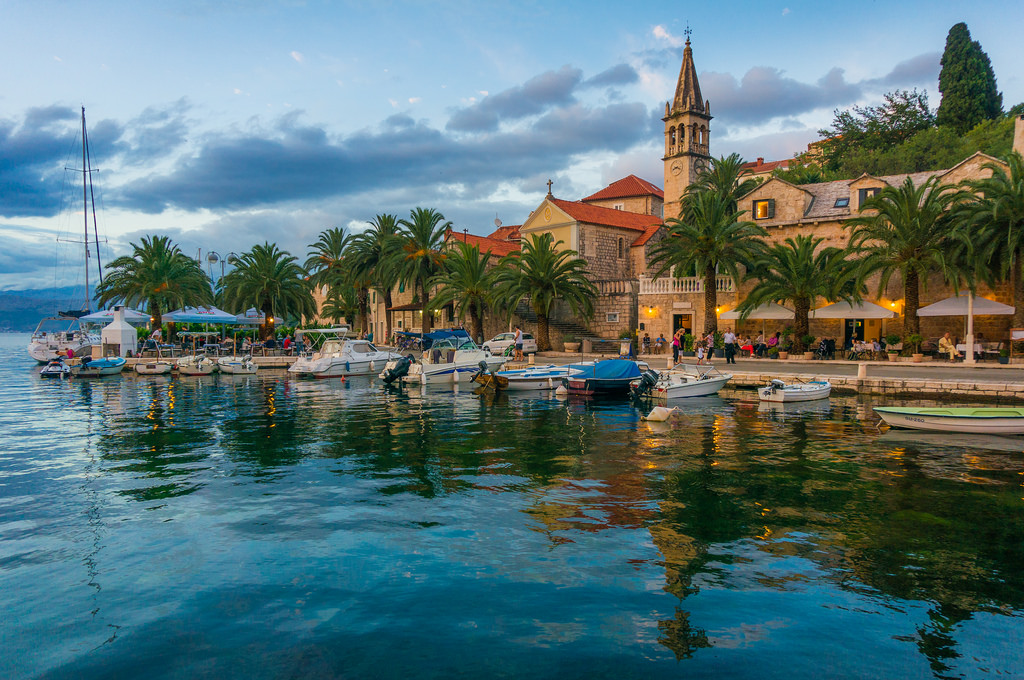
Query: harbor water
x=268, y=527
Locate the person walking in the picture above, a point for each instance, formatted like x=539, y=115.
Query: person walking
x=730, y=346
x=519, y=345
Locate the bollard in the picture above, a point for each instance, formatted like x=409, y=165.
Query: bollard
x=529, y=359
x=862, y=371
x=668, y=362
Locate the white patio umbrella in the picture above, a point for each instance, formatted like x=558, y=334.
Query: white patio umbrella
x=254, y=317
x=106, y=316
x=857, y=310
x=768, y=310
x=966, y=305
x=200, y=315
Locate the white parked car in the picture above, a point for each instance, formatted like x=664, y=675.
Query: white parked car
x=502, y=341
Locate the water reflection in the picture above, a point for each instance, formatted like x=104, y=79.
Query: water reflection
x=372, y=513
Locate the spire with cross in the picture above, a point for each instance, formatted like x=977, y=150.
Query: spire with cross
x=549, y=187
x=687, y=32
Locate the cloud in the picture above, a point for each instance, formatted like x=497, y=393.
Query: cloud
x=297, y=56
x=540, y=93
x=622, y=74
x=785, y=11
x=919, y=70
x=662, y=33
x=765, y=93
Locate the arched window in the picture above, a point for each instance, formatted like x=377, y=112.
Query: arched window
x=672, y=139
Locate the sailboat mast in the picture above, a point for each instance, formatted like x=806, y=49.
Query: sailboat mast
x=92, y=198
x=85, y=215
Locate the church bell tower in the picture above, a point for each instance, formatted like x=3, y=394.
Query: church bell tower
x=687, y=134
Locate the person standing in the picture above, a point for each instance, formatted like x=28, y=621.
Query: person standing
x=709, y=346
x=519, y=345
x=730, y=346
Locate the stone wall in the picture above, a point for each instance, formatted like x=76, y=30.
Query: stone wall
x=601, y=246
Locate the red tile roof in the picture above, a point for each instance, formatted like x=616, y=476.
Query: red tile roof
x=759, y=166
x=643, y=238
x=509, y=232
x=608, y=217
x=485, y=243
x=625, y=188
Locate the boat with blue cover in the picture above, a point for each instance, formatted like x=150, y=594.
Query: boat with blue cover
x=610, y=377
x=98, y=368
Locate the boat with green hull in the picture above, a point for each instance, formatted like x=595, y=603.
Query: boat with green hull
x=968, y=419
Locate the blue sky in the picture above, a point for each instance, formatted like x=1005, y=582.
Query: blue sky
x=224, y=124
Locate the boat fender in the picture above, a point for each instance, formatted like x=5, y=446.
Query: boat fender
x=347, y=367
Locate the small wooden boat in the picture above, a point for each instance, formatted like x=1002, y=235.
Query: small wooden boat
x=154, y=367
x=778, y=391
x=98, y=368
x=680, y=381
x=974, y=420
x=238, y=365
x=533, y=378
x=609, y=377
x=196, y=365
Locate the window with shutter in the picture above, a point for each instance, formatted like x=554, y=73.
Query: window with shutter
x=765, y=209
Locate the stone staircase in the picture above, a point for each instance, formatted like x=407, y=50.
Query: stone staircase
x=557, y=329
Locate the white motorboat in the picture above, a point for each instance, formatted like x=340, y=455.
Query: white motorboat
x=339, y=356
x=153, y=367
x=680, y=381
x=55, y=335
x=779, y=391
x=196, y=364
x=451, y=360
x=237, y=365
x=974, y=420
x=97, y=368
x=547, y=377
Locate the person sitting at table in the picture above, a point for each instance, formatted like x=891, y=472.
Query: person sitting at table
x=646, y=344
x=659, y=344
x=287, y=344
x=246, y=345
x=947, y=346
x=747, y=345
x=773, y=342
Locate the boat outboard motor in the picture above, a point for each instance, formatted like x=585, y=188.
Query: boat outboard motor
x=398, y=371
x=482, y=371
x=776, y=384
x=648, y=379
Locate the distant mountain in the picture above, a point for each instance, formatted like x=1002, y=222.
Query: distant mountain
x=21, y=310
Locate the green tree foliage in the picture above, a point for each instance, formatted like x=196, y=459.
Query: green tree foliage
x=376, y=254
x=467, y=283
x=708, y=237
x=724, y=176
x=156, y=276
x=543, y=274
x=907, y=230
x=967, y=83
x=270, y=280
x=798, y=271
x=326, y=266
x=901, y=115
x=423, y=253
x=995, y=222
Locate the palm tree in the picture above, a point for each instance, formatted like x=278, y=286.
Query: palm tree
x=707, y=238
x=998, y=217
x=327, y=267
x=270, y=280
x=798, y=271
x=910, y=234
x=375, y=254
x=543, y=273
x=423, y=253
x=467, y=283
x=158, y=276
x=724, y=176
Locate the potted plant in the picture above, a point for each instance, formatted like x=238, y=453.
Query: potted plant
x=688, y=345
x=719, y=338
x=774, y=353
x=915, y=341
x=1004, y=356
x=808, y=341
x=785, y=342
x=570, y=343
x=891, y=340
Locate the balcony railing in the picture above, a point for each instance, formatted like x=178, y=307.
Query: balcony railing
x=667, y=285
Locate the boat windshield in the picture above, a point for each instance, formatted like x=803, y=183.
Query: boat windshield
x=57, y=325
x=317, y=338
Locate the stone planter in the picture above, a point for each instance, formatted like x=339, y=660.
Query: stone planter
x=1004, y=360
x=571, y=346
x=894, y=356
x=808, y=356
x=719, y=353
x=917, y=358
x=783, y=355
x=773, y=356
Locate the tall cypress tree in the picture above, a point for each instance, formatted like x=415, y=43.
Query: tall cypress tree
x=967, y=83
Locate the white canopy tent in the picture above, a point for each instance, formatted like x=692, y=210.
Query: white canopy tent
x=966, y=305
x=106, y=316
x=857, y=310
x=767, y=311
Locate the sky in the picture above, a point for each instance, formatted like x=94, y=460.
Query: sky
x=224, y=124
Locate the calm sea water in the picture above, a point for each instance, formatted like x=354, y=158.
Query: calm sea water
x=262, y=527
